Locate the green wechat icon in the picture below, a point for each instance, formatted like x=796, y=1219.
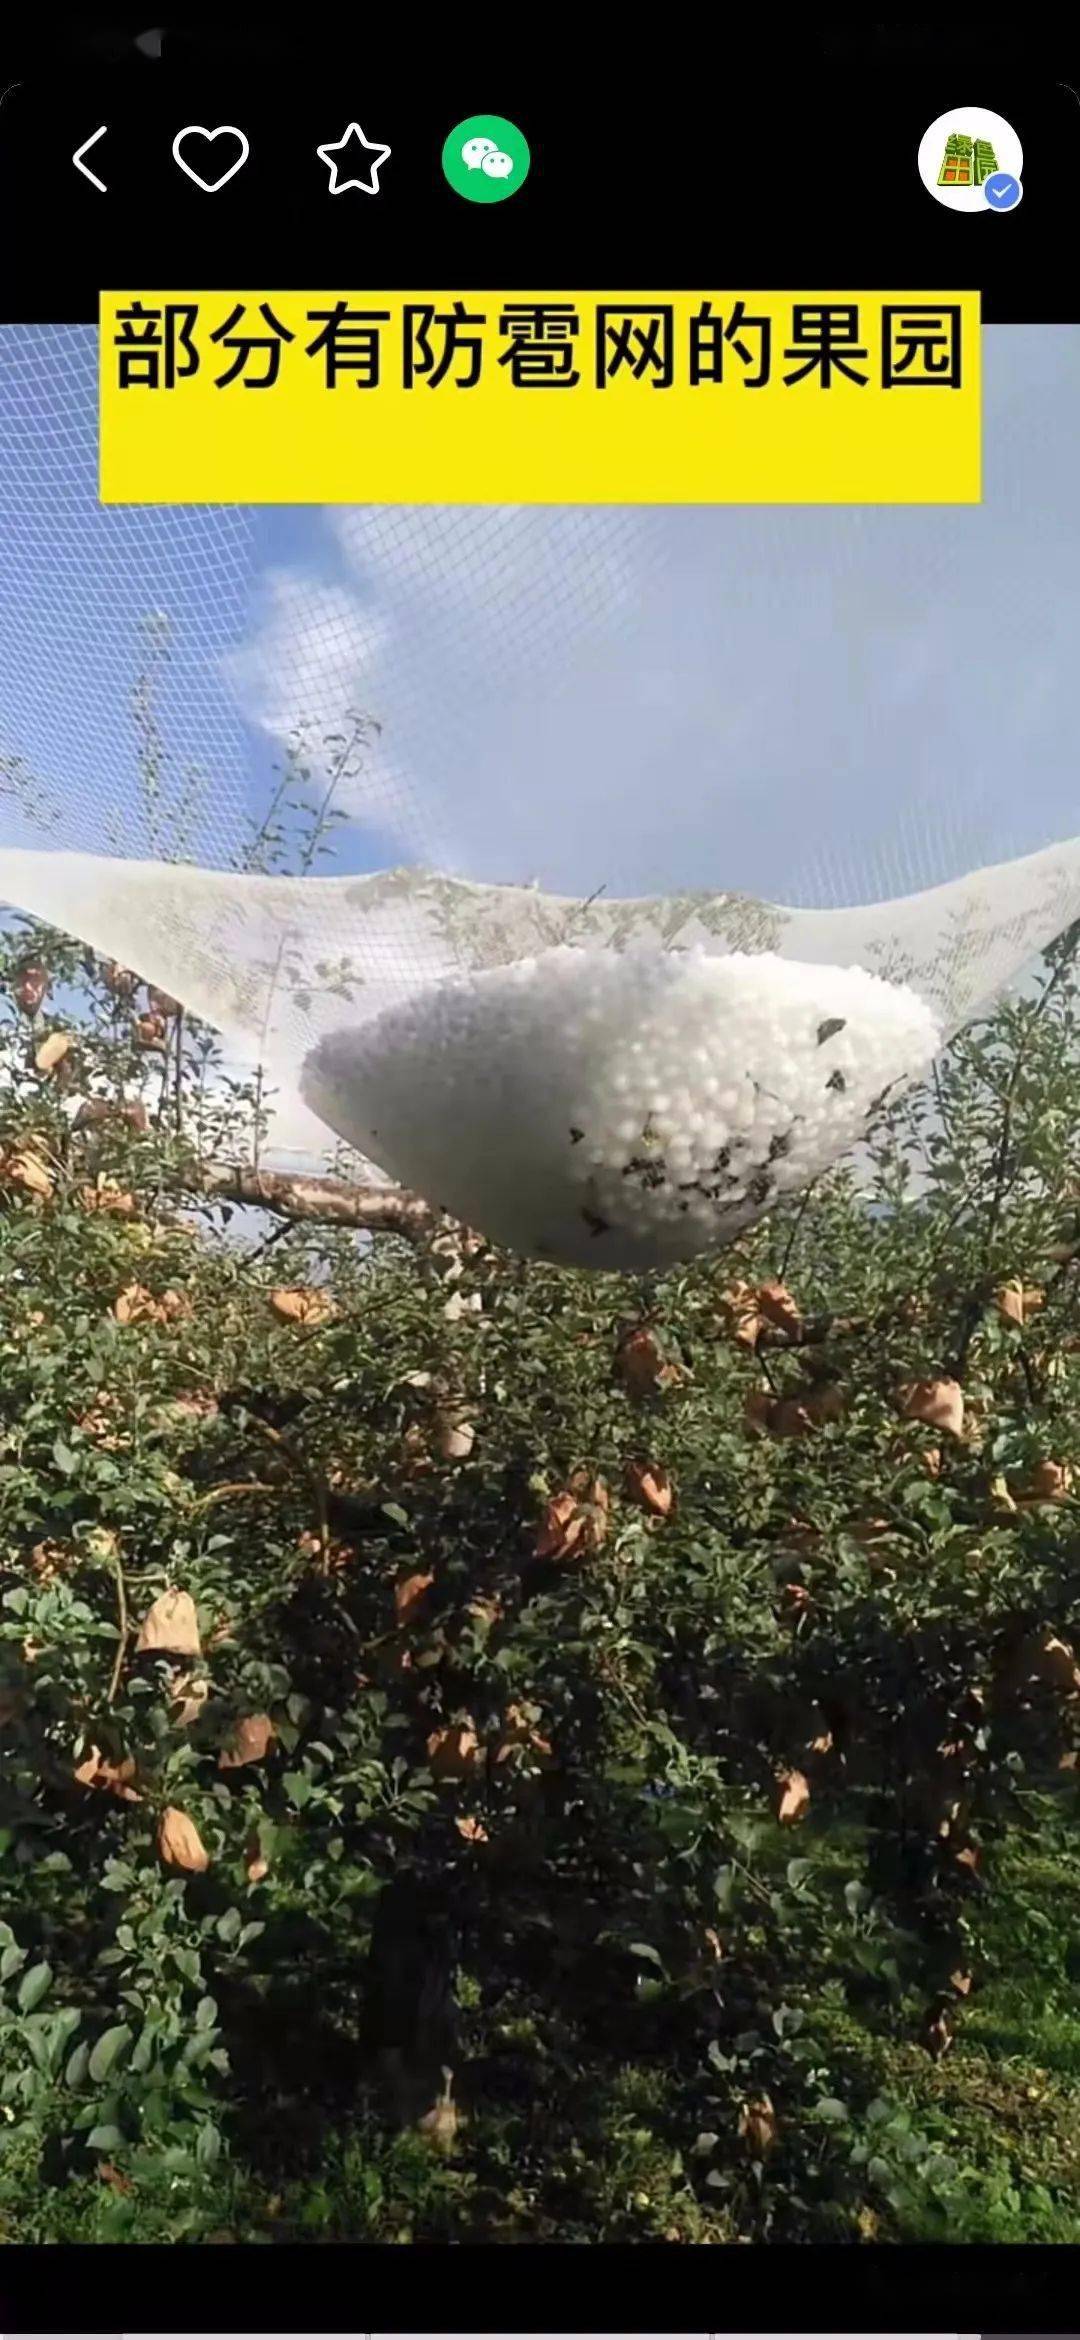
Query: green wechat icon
x=485, y=158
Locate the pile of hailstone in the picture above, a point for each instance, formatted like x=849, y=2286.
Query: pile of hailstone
x=620, y=1110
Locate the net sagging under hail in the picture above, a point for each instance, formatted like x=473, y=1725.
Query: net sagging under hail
x=644, y=848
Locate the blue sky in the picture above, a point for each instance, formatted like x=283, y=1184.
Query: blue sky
x=813, y=704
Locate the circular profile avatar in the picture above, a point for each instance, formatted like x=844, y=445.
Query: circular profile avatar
x=971, y=160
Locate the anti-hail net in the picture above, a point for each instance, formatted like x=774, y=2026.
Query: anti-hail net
x=339, y=756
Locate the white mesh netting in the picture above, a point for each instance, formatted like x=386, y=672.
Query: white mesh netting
x=536, y=727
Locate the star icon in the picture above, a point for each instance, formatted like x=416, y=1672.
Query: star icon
x=344, y=154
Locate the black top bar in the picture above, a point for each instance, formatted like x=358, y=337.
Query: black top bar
x=675, y=162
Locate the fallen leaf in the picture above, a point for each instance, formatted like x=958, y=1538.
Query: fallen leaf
x=106, y=1195
x=149, y=1032
x=410, y=1594
x=189, y=1695
x=256, y=1865
x=179, y=1842
x=187, y=1406
x=100, y=1109
x=115, y=1779
x=473, y=1831
x=299, y=1305
x=794, y=1416
x=937, y=2036
x=134, y=1305
x=111, y=2176
x=461, y=1304
x=52, y=1051
x=100, y=1423
x=519, y=1732
x=794, y=1797
x=441, y=2124
x=758, y=2126
x=575, y=1521
x=650, y=1485
x=639, y=1360
x=253, y=1739
x=938, y=1402
x=454, y=1439
x=171, y=1624
x=758, y=1411
x=50, y=1559
x=560, y=1529
x=1048, y=1482
x=1017, y=1302
x=1000, y=1493
x=26, y=1169
x=454, y=1753
x=961, y=1982
x=740, y=1315
x=776, y=1305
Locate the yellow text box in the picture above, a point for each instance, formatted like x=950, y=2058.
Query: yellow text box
x=540, y=398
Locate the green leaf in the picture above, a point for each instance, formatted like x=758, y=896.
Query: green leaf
x=33, y=1986
x=65, y=1460
x=110, y=2047
x=208, y=2146
x=13, y=1958
x=143, y=2048
x=206, y=2015
x=106, y=2138
x=78, y=2065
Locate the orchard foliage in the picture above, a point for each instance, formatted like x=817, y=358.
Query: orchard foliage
x=694, y=1660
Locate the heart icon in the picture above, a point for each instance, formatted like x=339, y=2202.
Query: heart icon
x=196, y=131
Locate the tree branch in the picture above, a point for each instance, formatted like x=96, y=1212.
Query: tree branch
x=320, y=1201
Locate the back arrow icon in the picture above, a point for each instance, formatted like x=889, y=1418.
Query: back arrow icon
x=77, y=159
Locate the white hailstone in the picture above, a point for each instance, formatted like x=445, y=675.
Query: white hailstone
x=562, y=1106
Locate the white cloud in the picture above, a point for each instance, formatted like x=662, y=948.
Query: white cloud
x=316, y=655
x=806, y=702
